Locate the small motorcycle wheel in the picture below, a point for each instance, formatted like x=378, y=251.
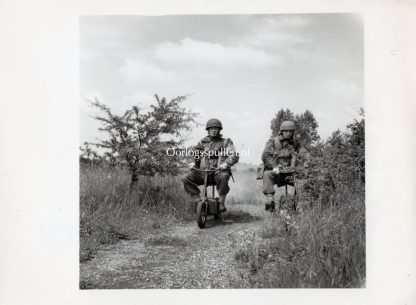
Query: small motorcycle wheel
x=201, y=214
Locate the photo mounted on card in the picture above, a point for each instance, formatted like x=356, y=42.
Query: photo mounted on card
x=222, y=151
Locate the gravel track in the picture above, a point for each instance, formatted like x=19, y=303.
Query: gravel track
x=177, y=257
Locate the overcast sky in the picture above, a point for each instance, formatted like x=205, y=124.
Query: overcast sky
x=240, y=69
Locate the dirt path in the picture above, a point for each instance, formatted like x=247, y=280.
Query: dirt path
x=177, y=257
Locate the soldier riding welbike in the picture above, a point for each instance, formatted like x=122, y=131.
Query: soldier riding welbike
x=212, y=152
x=279, y=160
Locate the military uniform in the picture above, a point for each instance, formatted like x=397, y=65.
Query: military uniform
x=282, y=153
x=209, y=153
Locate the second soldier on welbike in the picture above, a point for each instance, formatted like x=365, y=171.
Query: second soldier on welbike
x=280, y=157
x=213, y=151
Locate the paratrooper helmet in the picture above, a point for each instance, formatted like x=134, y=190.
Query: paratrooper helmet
x=213, y=123
x=287, y=125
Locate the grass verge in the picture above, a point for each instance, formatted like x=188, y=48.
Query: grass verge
x=110, y=211
x=315, y=248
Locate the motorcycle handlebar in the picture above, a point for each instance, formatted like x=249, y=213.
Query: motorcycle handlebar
x=206, y=170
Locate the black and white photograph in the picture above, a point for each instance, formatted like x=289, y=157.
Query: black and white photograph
x=222, y=151
x=207, y=152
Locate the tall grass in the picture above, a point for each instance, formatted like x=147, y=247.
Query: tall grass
x=110, y=211
x=322, y=246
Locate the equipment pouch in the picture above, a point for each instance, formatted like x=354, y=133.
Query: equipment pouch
x=260, y=171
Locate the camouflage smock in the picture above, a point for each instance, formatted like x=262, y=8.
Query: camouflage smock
x=280, y=152
x=209, y=150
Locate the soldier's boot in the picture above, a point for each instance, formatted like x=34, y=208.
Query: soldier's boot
x=221, y=205
x=270, y=205
x=267, y=206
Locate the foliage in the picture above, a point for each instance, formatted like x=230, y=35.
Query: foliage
x=307, y=128
x=356, y=141
x=317, y=248
x=336, y=164
x=139, y=139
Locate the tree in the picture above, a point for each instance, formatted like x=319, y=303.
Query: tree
x=307, y=128
x=337, y=141
x=357, y=141
x=345, y=152
x=139, y=139
x=357, y=129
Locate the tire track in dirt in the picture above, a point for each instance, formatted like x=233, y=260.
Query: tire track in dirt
x=177, y=257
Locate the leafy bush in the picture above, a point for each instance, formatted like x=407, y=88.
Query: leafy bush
x=139, y=139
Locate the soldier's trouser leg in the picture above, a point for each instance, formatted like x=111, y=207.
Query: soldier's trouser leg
x=269, y=182
x=270, y=179
x=268, y=189
x=191, y=181
x=221, y=180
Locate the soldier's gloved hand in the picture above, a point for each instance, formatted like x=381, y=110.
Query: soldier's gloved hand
x=191, y=165
x=276, y=170
x=224, y=166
